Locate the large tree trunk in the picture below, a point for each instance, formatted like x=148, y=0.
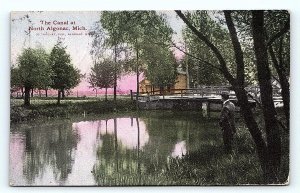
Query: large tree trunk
x=32, y=92
x=284, y=83
x=254, y=130
x=242, y=96
x=23, y=92
x=46, y=92
x=27, y=96
x=264, y=78
x=58, y=96
x=63, y=94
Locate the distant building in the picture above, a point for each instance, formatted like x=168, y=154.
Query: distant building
x=180, y=83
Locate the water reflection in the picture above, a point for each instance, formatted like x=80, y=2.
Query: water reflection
x=102, y=152
x=179, y=149
x=44, y=149
x=124, y=129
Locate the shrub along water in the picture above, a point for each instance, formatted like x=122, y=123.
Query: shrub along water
x=42, y=109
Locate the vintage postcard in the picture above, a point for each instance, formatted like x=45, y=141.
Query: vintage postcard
x=140, y=98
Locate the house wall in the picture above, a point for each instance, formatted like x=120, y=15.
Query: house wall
x=180, y=83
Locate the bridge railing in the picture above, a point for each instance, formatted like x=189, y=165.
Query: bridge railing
x=203, y=91
x=255, y=92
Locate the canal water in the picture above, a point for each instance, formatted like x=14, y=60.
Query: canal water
x=116, y=150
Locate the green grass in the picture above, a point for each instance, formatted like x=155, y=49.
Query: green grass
x=49, y=109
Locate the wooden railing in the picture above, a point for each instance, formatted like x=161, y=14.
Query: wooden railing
x=204, y=91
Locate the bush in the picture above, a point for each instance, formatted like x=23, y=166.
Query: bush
x=52, y=110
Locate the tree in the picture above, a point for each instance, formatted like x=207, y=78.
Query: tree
x=276, y=31
x=65, y=76
x=208, y=63
x=268, y=151
x=15, y=80
x=34, y=70
x=108, y=44
x=277, y=25
x=136, y=28
x=264, y=78
x=102, y=75
x=197, y=69
x=161, y=66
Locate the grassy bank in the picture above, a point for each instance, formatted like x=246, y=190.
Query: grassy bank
x=211, y=166
x=49, y=109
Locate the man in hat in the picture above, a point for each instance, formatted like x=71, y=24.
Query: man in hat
x=227, y=121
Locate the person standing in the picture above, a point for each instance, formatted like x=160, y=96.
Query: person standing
x=227, y=122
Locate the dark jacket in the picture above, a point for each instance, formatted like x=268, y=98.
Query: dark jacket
x=227, y=122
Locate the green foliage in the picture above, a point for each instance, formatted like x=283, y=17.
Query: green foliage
x=102, y=74
x=211, y=24
x=162, y=66
x=136, y=29
x=65, y=76
x=15, y=78
x=201, y=73
x=275, y=21
x=33, y=69
x=47, y=108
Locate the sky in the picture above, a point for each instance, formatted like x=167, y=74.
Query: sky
x=41, y=27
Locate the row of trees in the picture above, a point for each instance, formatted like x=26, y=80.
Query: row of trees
x=233, y=46
x=132, y=41
x=36, y=69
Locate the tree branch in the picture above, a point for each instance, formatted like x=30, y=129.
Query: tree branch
x=280, y=58
x=215, y=50
x=273, y=57
x=284, y=30
x=239, y=58
x=195, y=57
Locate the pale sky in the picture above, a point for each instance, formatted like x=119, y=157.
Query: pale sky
x=78, y=46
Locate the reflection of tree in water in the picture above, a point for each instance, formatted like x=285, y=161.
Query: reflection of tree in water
x=164, y=134
x=116, y=164
x=167, y=129
x=50, y=146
